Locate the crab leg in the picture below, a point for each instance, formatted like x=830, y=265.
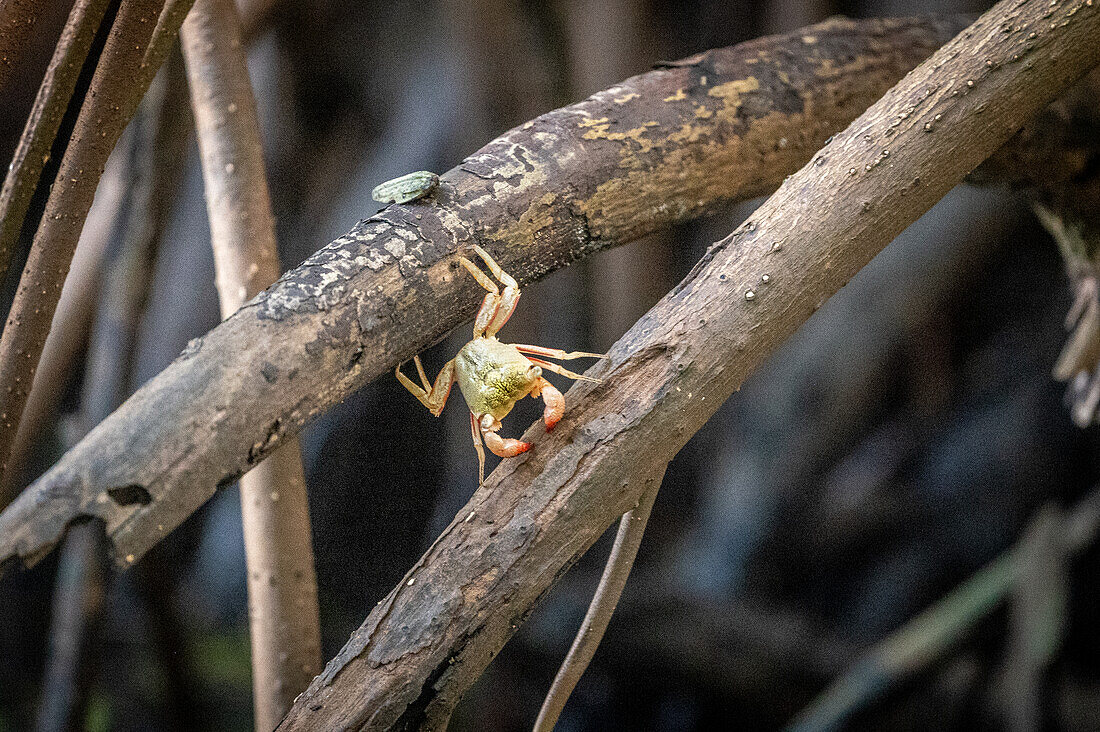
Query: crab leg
x=433, y=398
x=485, y=314
x=476, y=433
x=505, y=308
x=423, y=377
x=497, y=307
x=490, y=304
x=557, y=352
x=562, y=370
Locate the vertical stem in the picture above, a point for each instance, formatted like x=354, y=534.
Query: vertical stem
x=74, y=623
x=282, y=586
x=619, y=563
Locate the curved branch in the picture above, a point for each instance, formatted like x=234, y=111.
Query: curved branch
x=434, y=634
x=659, y=148
x=596, y=619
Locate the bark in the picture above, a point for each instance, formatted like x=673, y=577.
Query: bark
x=38, y=135
x=282, y=585
x=434, y=634
x=730, y=124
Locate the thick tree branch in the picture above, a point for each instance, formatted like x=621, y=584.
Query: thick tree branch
x=434, y=634
x=282, y=585
x=659, y=148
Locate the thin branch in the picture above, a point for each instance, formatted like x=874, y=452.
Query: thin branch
x=45, y=118
x=662, y=147
x=146, y=178
x=282, y=585
x=625, y=549
x=139, y=40
x=937, y=630
x=434, y=634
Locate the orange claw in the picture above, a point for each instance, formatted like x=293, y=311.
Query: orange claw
x=555, y=403
x=504, y=446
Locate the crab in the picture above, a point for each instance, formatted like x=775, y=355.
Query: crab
x=493, y=376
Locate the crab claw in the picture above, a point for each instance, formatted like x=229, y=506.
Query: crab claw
x=504, y=446
x=555, y=403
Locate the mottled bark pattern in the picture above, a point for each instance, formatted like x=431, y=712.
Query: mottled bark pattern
x=435, y=633
x=729, y=125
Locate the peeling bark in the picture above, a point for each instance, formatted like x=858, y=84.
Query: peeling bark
x=662, y=147
x=434, y=634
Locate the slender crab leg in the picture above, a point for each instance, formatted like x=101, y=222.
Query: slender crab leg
x=557, y=352
x=433, y=398
x=423, y=377
x=557, y=369
x=497, y=307
x=476, y=433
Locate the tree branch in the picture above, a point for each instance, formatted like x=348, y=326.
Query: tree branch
x=937, y=630
x=729, y=125
x=282, y=585
x=596, y=619
x=139, y=40
x=45, y=118
x=434, y=634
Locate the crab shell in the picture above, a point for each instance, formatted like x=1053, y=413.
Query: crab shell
x=493, y=376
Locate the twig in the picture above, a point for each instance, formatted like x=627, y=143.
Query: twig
x=282, y=585
x=139, y=40
x=388, y=289
x=935, y=631
x=625, y=549
x=49, y=107
x=434, y=634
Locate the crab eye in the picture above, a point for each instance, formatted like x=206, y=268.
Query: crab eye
x=535, y=371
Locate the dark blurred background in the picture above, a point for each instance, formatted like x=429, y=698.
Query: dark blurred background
x=902, y=439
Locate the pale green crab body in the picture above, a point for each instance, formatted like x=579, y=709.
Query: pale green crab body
x=493, y=376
